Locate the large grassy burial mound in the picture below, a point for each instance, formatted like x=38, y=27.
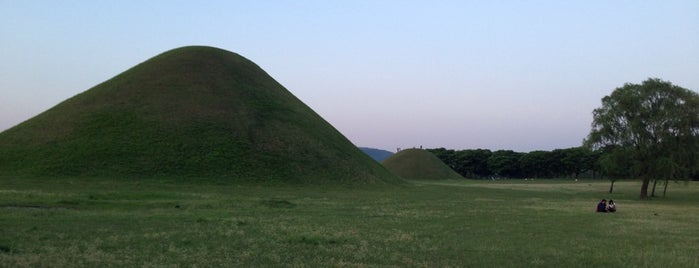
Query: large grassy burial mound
x=189, y=112
x=419, y=164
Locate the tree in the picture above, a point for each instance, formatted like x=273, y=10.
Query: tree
x=468, y=163
x=577, y=160
x=536, y=164
x=447, y=156
x=593, y=161
x=616, y=163
x=505, y=164
x=474, y=163
x=557, y=167
x=655, y=122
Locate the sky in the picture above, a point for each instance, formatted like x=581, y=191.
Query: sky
x=498, y=75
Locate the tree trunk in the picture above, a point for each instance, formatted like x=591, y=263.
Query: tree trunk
x=652, y=192
x=611, y=187
x=665, y=188
x=644, y=188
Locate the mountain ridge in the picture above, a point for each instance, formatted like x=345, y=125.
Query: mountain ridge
x=377, y=154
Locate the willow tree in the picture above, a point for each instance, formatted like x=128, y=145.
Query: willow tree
x=617, y=163
x=656, y=123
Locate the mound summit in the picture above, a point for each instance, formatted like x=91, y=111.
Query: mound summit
x=419, y=164
x=189, y=112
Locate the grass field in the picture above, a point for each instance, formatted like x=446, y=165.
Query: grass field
x=106, y=222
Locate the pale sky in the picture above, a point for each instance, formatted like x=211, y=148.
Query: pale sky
x=517, y=75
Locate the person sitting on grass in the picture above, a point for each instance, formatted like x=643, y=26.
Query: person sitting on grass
x=602, y=206
x=611, y=207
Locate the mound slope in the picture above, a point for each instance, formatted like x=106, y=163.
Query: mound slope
x=189, y=112
x=419, y=164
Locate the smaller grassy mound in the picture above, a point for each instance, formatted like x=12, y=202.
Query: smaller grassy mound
x=419, y=164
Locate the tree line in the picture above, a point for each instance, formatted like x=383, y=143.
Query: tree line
x=647, y=131
x=487, y=164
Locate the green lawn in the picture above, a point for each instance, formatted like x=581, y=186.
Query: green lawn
x=105, y=222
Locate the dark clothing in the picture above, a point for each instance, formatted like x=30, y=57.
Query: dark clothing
x=601, y=207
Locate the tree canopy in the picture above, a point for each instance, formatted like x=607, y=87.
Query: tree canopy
x=484, y=164
x=656, y=124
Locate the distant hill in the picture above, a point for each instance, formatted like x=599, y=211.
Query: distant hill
x=189, y=112
x=377, y=154
x=419, y=164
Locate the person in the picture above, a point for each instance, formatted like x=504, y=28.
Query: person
x=611, y=207
x=602, y=206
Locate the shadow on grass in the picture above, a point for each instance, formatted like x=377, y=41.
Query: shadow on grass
x=274, y=203
x=6, y=249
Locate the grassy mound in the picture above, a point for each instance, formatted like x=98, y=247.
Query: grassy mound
x=189, y=112
x=419, y=164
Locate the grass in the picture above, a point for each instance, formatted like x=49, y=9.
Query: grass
x=458, y=223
